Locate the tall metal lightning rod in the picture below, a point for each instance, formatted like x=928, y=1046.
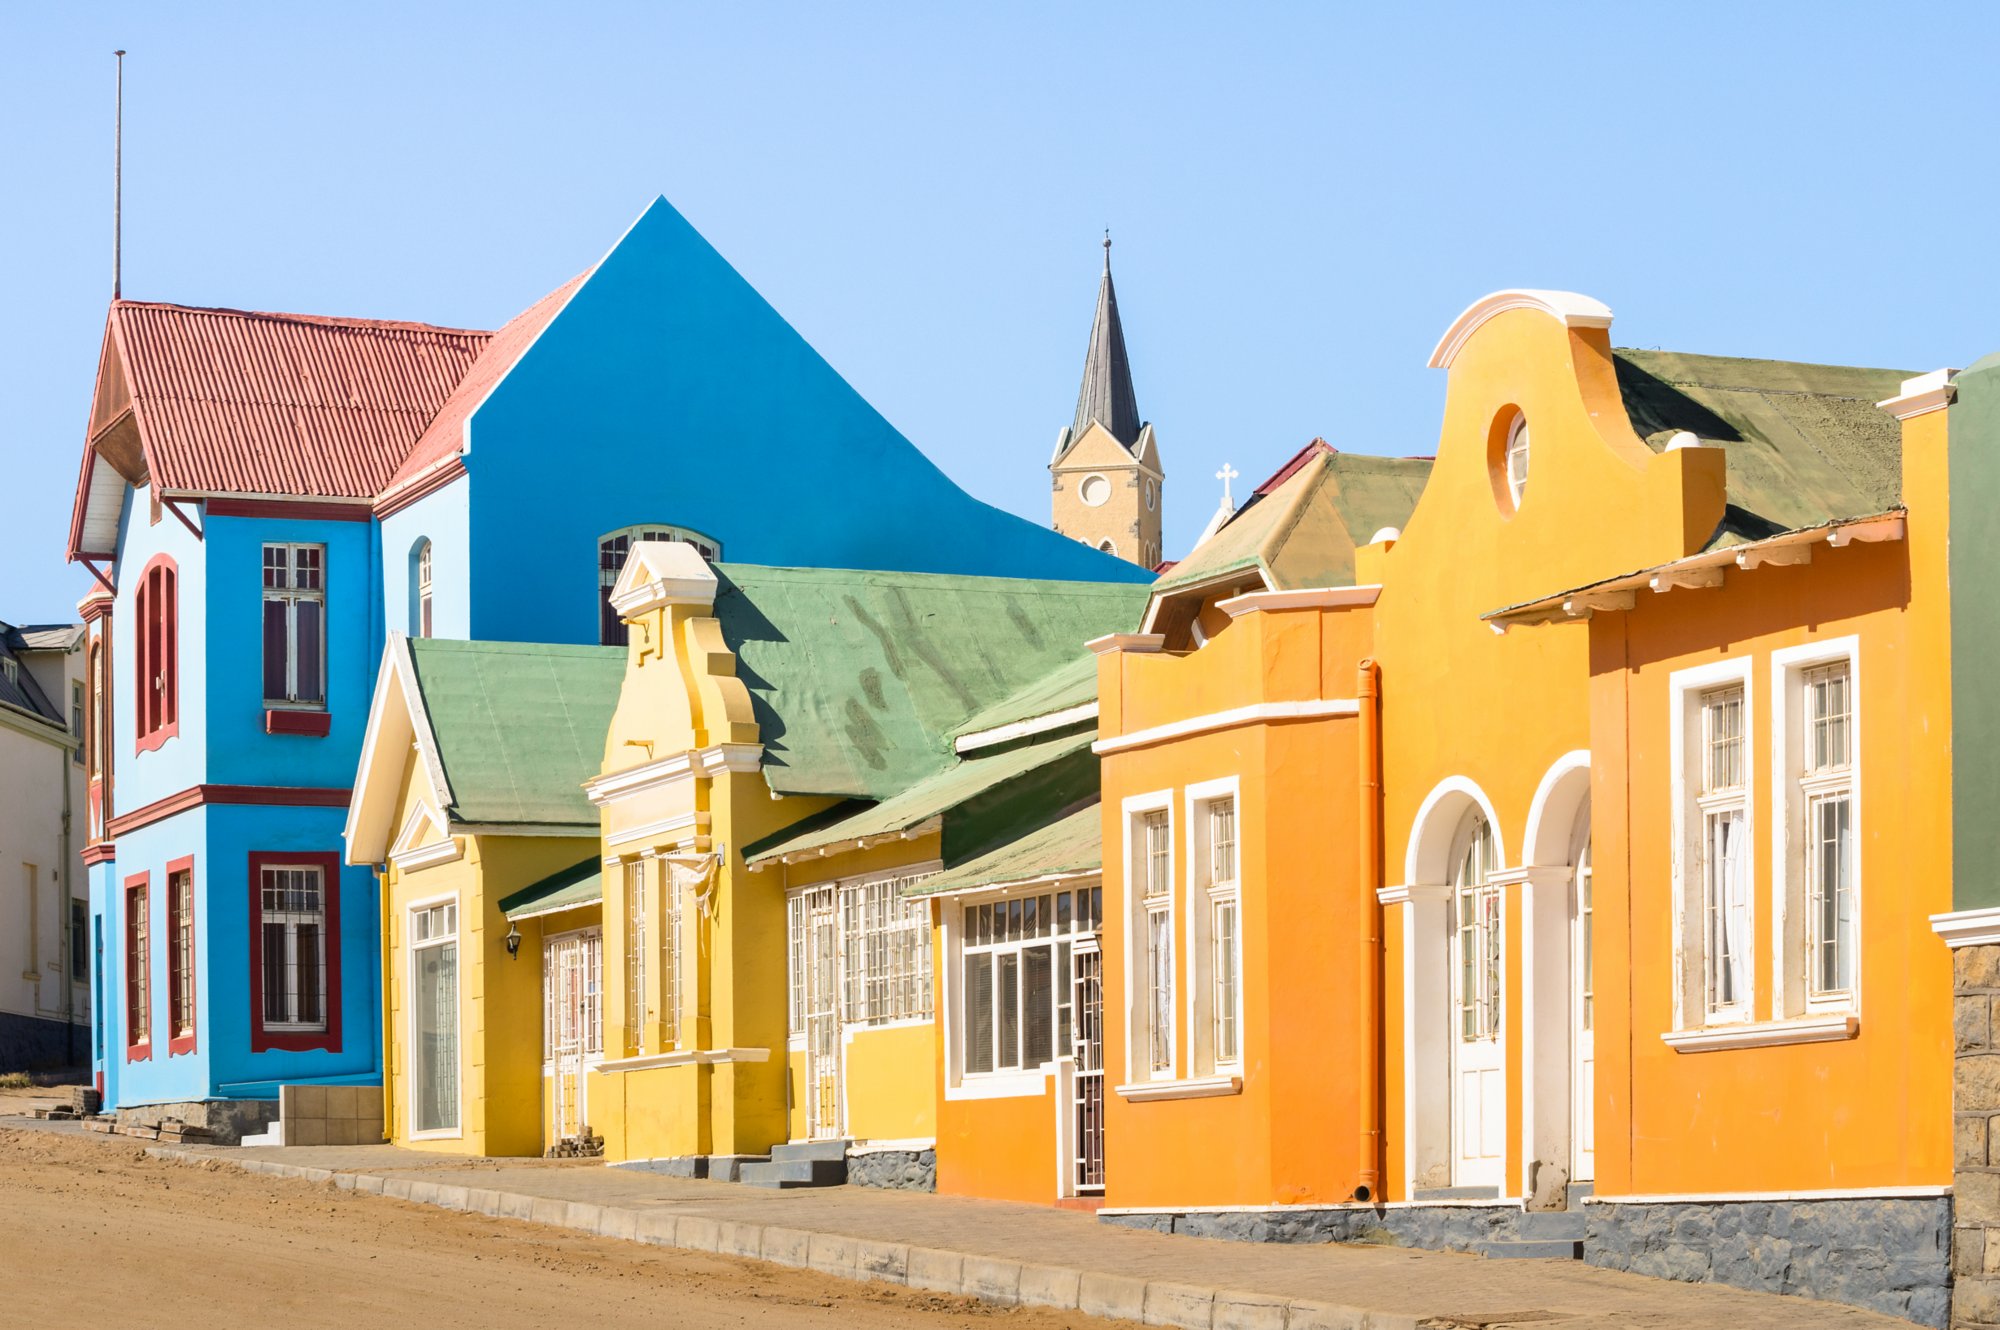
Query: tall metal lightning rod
x=118, y=184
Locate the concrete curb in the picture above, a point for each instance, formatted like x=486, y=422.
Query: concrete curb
x=991, y=1279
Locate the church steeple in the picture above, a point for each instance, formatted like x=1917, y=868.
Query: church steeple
x=1107, y=395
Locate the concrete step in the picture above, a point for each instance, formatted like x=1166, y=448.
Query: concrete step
x=1552, y=1226
x=729, y=1168
x=1578, y=1191
x=811, y=1151
x=1457, y=1194
x=791, y=1173
x=1526, y=1250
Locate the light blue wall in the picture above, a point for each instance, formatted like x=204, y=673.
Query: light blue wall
x=667, y=390
x=143, y=778
x=443, y=518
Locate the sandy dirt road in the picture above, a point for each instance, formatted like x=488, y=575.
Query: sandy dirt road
x=94, y=1232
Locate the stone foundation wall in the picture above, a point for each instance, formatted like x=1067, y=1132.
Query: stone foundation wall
x=1885, y=1254
x=1437, y=1227
x=900, y=1170
x=227, y=1121
x=1975, y=1105
x=31, y=1043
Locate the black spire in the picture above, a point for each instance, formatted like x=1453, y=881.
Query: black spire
x=1107, y=395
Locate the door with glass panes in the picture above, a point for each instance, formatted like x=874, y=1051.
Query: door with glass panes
x=573, y=1027
x=1479, y=1075
x=821, y=970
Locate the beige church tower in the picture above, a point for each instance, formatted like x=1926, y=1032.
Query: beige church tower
x=1107, y=473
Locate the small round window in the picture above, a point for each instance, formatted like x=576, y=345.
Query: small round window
x=1095, y=491
x=1517, y=459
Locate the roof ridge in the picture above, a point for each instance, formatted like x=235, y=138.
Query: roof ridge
x=314, y=320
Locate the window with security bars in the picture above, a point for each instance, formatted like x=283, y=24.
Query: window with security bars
x=887, y=951
x=1018, y=991
x=434, y=1015
x=138, y=969
x=673, y=890
x=795, y=959
x=1826, y=800
x=1156, y=917
x=635, y=957
x=156, y=673
x=612, y=550
x=295, y=625
x=180, y=955
x=293, y=955
x=1722, y=801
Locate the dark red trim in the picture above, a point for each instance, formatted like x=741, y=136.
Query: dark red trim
x=421, y=489
x=297, y=510
x=141, y=1049
x=177, y=1043
x=158, y=601
x=284, y=720
x=101, y=853
x=262, y=1040
x=174, y=506
x=93, y=606
x=88, y=561
x=279, y=796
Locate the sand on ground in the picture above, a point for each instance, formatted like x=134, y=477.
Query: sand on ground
x=92, y=1231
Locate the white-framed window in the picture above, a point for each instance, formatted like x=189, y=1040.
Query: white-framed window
x=10, y=669
x=434, y=1017
x=1816, y=825
x=636, y=1007
x=1477, y=930
x=885, y=951
x=420, y=589
x=1517, y=459
x=295, y=625
x=795, y=959
x=293, y=917
x=1016, y=998
x=1714, y=783
x=1149, y=894
x=1214, y=928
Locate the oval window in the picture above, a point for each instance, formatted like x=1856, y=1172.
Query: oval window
x=1095, y=491
x=1517, y=459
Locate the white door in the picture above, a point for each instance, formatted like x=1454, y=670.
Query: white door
x=1479, y=1069
x=1584, y=1043
x=824, y=1118
x=573, y=1024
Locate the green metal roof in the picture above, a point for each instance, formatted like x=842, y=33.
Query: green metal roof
x=1806, y=443
x=519, y=726
x=1067, y=844
x=981, y=800
x=578, y=885
x=1060, y=689
x=1302, y=526
x=859, y=679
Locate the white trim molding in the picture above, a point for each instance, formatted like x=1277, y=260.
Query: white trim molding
x=1260, y=713
x=1968, y=928
x=1922, y=395
x=1200, y=1087
x=449, y=850
x=682, y=577
x=1133, y=642
x=1920, y=1192
x=1304, y=598
x=691, y=1057
x=1413, y=891
x=673, y=769
x=1764, y=1034
x=1565, y=307
x=1021, y=729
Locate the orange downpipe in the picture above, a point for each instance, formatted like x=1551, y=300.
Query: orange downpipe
x=1368, y=836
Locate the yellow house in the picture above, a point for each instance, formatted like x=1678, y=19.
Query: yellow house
x=772, y=717
x=469, y=804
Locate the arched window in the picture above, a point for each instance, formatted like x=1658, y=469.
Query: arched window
x=1476, y=906
x=156, y=673
x=1108, y=546
x=612, y=548
x=420, y=588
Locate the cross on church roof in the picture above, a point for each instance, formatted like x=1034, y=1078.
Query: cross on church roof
x=1227, y=474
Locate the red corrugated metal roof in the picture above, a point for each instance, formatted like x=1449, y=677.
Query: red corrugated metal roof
x=234, y=402
x=445, y=434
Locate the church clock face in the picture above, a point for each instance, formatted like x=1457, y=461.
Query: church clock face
x=1095, y=491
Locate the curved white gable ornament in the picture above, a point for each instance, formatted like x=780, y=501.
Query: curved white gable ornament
x=1566, y=307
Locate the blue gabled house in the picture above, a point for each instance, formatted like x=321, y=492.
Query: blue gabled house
x=264, y=496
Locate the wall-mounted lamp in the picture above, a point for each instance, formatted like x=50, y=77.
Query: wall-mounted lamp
x=513, y=942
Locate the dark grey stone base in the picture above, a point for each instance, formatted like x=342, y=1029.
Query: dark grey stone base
x=33, y=1043
x=1887, y=1255
x=900, y=1170
x=1438, y=1227
x=681, y=1166
x=227, y=1121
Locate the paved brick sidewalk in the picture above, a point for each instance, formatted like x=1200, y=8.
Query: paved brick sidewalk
x=1010, y=1253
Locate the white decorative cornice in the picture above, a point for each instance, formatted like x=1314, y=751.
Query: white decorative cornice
x=674, y=830
x=1968, y=928
x=1305, y=598
x=673, y=769
x=1418, y=892
x=1764, y=1034
x=1262, y=713
x=1922, y=395
x=1531, y=876
x=1566, y=307
x=449, y=850
x=662, y=572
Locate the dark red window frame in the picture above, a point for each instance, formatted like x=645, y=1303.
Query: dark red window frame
x=176, y=980
x=138, y=887
x=156, y=669
x=262, y=1040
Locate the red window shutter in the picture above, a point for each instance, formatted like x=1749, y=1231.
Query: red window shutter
x=170, y=614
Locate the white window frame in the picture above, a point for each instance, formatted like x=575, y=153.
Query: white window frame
x=1686, y=689
x=910, y=986
x=456, y=937
x=291, y=594
x=1026, y=1082
x=1138, y=1021
x=635, y=903
x=1790, y=909
x=1521, y=440
x=267, y=916
x=1203, y=897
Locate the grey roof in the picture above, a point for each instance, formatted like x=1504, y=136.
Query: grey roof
x=1107, y=395
x=18, y=689
x=49, y=636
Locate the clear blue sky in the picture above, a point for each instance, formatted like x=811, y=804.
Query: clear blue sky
x=1302, y=197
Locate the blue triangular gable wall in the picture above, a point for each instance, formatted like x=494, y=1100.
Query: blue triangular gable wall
x=668, y=390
